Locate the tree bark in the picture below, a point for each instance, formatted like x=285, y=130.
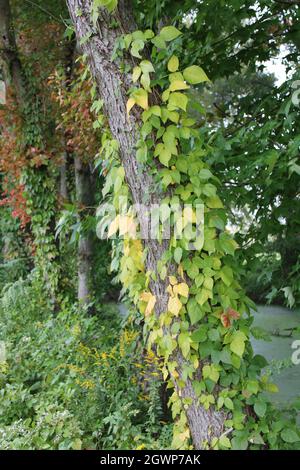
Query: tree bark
x=113, y=85
x=12, y=68
x=85, y=200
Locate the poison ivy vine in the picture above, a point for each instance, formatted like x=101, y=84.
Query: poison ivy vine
x=39, y=180
x=208, y=315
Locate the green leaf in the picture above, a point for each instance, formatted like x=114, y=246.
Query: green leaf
x=136, y=46
x=211, y=372
x=214, y=202
x=164, y=156
x=195, y=75
x=168, y=33
x=228, y=403
x=146, y=66
x=177, y=100
x=200, y=335
x=173, y=64
x=178, y=254
x=225, y=442
x=260, y=408
x=289, y=435
x=184, y=342
x=237, y=344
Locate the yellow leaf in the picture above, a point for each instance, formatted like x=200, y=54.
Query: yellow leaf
x=174, y=305
x=150, y=300
x=136, y=73
x=169, y=290
x=178, y=85
x=141, y=98
x=189, y=216
x=130, y=104
x=173, y=280
x=145, y=296
x=181, y=289
x=180, y=271
x=113, y=227
x=173, y=64
x=127, y=225
x=150, y=305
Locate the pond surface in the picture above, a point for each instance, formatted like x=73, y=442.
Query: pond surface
x=277, y=321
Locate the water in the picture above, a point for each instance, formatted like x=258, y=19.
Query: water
x=277, y=320
x=274, y=320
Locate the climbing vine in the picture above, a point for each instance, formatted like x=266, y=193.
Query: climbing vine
x=208, y=315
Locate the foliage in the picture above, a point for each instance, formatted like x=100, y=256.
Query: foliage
x=208, y=314
x=71, y=381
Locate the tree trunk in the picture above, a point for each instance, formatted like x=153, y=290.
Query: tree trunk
x=112, y=85
x=85, y=200
x=12, y=68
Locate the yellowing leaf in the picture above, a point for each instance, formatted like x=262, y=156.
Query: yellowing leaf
x=195, y=75
x=173, y=64
x=173, y=280
x=168, y=33
x=113, y=227
x=180, y=271
x=141, y=98
x=136, y=74
x=174, y=305
x=181, y=289
x=164, y=156
x=127, y=225
x=177, y=100
x=150, y=306
x=178, y=85
x=189, y=215
x=150, y=299
x=130, y=104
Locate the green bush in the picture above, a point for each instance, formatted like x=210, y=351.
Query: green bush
x=71, y=381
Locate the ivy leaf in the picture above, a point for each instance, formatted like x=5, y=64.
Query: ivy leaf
x=289, y=435
x=184, y=342
x=195, y=75
x=178, y=85
x=200, y=335
x=214, y=202
x=136, y=74
x=146, y=66
x=136, y=46
x=237, y=344
x=228, y=403
x=173, y=64
x=178, y=254
x=177, y=100
x=260, y=408
x=141, y=98
x=164, y=156
x=211, y=372
x=130, y=104
x=150, y=299
x=225, y=442
x=174, y=305
x=159, y=42
x=202, y=296
x=182, y=289
x=113, y=227
x=169, y=33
